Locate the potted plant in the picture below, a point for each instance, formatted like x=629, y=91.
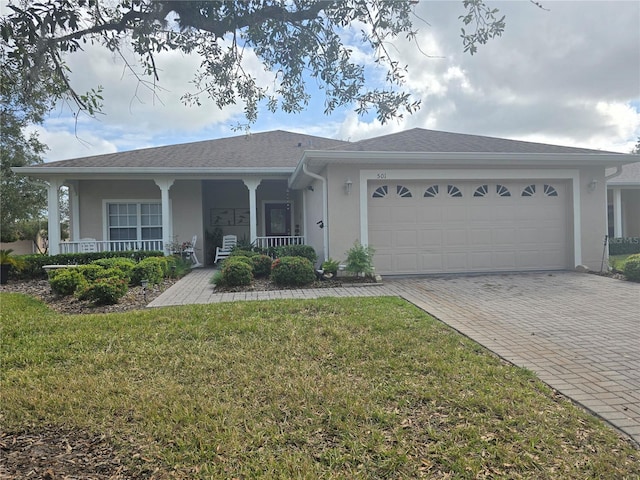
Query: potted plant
x=6, y=262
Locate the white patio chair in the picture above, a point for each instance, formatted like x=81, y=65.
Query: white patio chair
x=228, y=244
x=87, y=245
x=191, y=253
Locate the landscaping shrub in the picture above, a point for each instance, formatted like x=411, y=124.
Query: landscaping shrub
x=624, y=246
x=105, y=290
x=239, y=252
x=67, y=281
x=360, y=259
x=33, y=263
x=305, y=251
x=261, y=266
x=91, y=272
x=151, y=269
x=631, y=268
x=124, y=264
x=330, y=266
x=236, y=271
x=292, y=271
x=241, y=258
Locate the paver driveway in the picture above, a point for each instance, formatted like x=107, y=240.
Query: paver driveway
x=580, y=333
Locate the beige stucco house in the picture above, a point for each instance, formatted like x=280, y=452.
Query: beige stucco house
x=427, y=201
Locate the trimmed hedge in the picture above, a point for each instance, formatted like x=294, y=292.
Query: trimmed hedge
x=261, y=266
x=67, y=281
x=152, y=269
x=304, y=251
x=105, y=290
x=631, y=268
x=624, y=246
x=292, y=271
x=33, y=263
x=236, y=271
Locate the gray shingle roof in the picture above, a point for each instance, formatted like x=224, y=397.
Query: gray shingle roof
x=630, y=175
x=422, y=140
x=275, y=149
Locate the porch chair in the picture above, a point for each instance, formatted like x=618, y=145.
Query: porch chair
x=191, y=253
x=228, y=243
x=87, y=245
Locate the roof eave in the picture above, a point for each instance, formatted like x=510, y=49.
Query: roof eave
x=148, y=172
x=322, y=158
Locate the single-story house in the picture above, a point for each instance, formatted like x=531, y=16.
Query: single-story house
x=623, y=202
x=426, y=201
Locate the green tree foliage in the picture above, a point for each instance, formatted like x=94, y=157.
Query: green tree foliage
x=20, y=200
x=299, y=40
x=23, y=103
x=636, y=149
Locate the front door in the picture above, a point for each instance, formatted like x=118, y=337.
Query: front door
x=277, y=219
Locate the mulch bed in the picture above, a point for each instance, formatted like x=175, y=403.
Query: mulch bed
x=52, y=453
x=135, y=299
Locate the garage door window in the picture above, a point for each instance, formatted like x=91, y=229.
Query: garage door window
x=529, y=191
x=481, y=191
x=403, y=192
x=454, y=191
x=431, y=191
x=380, y=192
x=502, y=191
x=549, y=191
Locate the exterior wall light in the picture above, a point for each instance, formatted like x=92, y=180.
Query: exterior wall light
x=347, y=186
x=592, y=185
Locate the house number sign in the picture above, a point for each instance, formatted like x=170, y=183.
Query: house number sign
x=381, y=176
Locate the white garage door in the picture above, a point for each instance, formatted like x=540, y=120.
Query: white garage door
x=460, y=226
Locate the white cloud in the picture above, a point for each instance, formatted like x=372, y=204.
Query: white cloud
x=63, y=144
x=570, y=76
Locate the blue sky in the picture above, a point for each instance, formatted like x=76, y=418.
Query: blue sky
x=567, y=75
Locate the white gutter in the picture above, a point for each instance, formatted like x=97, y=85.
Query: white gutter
x=325, y=209
x=177, y=172
x=614, y=174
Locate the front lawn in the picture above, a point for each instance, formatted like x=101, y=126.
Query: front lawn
x=329, y=388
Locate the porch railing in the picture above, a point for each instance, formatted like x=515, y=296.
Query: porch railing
x=87, y=246
x=271, y=242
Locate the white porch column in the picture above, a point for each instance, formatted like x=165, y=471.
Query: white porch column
x=252, y=185
x=167, y=231
x=617, y=213
x=54, y=216
x=74, y=207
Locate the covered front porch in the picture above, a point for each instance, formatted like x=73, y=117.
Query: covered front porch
x=158, y=213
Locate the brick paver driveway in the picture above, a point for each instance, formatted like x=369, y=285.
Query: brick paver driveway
x=580, y=333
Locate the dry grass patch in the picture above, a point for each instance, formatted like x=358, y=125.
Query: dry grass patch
x=329, y=388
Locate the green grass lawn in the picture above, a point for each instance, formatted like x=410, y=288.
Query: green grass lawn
x=330, y=388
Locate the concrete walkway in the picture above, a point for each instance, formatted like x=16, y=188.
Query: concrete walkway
x=579, y=333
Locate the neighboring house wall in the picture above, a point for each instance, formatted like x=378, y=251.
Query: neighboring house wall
x=631, y=212
x=20, y=247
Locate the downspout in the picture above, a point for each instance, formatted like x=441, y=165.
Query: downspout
x=614, y=174
x=325, y=209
